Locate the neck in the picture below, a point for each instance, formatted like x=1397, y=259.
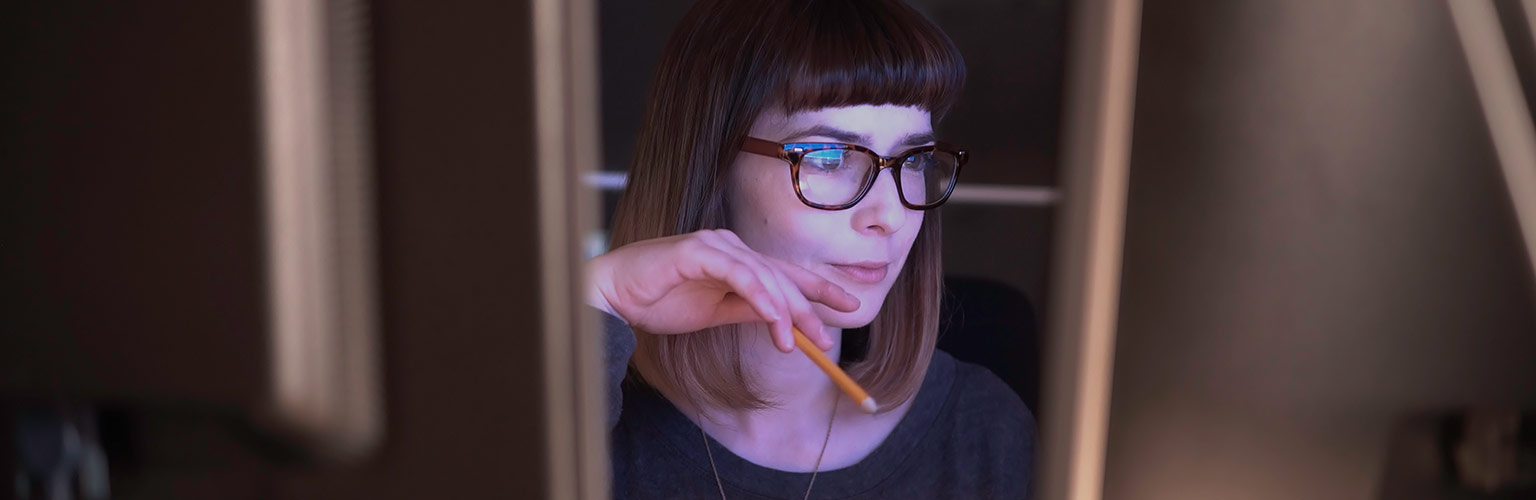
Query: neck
x=794, y=429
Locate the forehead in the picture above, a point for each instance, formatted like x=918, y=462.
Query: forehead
x=868, y=125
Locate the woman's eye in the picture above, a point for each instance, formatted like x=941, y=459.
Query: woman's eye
x=917, y=163
x=825, y=160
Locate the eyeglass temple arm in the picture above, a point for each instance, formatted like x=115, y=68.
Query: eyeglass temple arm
x=761, y=147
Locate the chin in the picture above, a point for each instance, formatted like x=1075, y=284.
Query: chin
x=848, y=320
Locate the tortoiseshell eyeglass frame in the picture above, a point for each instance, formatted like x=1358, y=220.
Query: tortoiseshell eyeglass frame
x=793, y=152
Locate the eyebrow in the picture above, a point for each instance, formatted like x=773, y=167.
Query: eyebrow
x=913, y=139
x=831, y=132
x=917, y=139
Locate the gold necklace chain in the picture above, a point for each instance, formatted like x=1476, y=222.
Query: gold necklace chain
x=814, y=470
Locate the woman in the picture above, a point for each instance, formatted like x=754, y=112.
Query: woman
x=759, y=202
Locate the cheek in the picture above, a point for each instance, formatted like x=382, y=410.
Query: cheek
x=763, y=209
x=908, y=234
x=787, y=232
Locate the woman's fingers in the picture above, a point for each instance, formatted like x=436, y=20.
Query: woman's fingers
x=813, y=287
x=708, y=263
x=799, y=293
x=734, y=309
x=779, y=331
x=805, y=316
x=749, y=279
x=818, y=289
x=783, y=294
x=738, y=285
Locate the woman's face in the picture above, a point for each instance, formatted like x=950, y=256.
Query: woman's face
x=863, y=248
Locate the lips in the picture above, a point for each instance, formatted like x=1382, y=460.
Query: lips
x=864, y=272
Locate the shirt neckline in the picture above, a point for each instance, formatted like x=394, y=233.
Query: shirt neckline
x=682, y=435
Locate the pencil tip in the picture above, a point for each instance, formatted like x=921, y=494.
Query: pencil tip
x=869, y=405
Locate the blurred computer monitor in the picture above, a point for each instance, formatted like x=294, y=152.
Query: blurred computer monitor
x=1326, y=288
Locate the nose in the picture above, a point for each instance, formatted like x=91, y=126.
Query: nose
x=881, y=211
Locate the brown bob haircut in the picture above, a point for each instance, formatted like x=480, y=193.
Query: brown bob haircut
x=725, y=63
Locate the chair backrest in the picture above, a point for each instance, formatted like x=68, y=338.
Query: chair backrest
x=993, y=324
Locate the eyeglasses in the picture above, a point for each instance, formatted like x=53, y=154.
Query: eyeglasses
x=832, y=176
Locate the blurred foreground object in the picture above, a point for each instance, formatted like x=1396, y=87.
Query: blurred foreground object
x=193, y=221
x=295, y=249
x=1327, y=232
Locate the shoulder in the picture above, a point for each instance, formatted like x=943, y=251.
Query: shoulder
x=978, y=393
x=981, y=440
x=989, y=414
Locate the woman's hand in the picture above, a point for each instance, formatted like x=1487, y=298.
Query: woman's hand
x=689, y=282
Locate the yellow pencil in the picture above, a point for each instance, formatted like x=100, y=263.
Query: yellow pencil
x=838, y=376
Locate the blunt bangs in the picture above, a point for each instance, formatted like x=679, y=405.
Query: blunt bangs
x=847, y=53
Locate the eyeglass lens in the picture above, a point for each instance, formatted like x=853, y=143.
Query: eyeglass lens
x=835, y=176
